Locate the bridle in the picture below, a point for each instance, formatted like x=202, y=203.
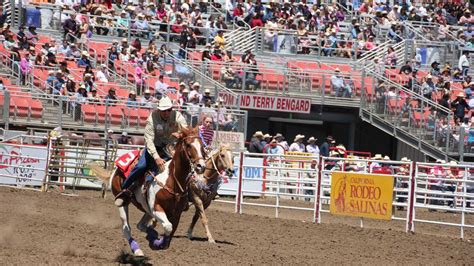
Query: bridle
x=214, y=164
x=191, y=164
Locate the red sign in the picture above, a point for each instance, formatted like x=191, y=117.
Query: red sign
x=270, y=103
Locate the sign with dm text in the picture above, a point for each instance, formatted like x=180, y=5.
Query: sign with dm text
x=362, y=195
x=252, y=169
x=269, y=103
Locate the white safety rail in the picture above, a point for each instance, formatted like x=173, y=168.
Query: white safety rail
x=277, y=177
x=401, y=172
x=278, y=182
x=445, y=188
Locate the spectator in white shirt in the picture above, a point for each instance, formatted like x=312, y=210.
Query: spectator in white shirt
x=464, y=63
x=160, y=87
x=297, y=145
x=281, y=140
x=312, y=147
x=194, y=95
x=147, y=99
x=101, y=74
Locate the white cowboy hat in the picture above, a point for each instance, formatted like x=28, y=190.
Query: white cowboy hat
x=133, y=92
x=185, y=90
x=207, y=91
x=405, y=159
x=298, y=137
x=337, y=69
x=196, y=84
x=386, y=158
x=377, y=157
x=182, y=84
x=165, y=104
x=453, y=163
x=258, y=134
x=312, y=139
x=85, y=53
x=279, y=135
x=110, y=131
x=124, y=133
x=147, y=91
x=267, y=136
x=440, y=161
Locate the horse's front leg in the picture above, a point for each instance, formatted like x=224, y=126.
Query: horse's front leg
x=160, y=216
x=195, y=199
x=202, y=214
x=127, y=232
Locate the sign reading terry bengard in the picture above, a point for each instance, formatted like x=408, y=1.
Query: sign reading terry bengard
x=361, y=195
x=270, y=103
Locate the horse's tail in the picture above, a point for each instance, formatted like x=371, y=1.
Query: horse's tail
x=105, y=175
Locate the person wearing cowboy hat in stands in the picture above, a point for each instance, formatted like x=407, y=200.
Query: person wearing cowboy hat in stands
x=312, y=147
x=266, y=139
x=435, y=70
x=183, y=99
x=297, y=145
x=326, y=146
x=84, y=60
x=281, y=141
x=256, y=143
x=207, y=97
x=147, y=99
x=375, y=166
x=124, y=139
x=459, y=106
x=159, y=132
x=194, y=95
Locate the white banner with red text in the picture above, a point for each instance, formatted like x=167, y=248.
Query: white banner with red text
x=268, y=103
x=22, y=165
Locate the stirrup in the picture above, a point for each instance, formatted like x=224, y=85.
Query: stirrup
x=122, y=197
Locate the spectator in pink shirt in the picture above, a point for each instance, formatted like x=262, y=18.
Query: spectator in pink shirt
x=25, y=68
x=139, y=80
x=206, y=131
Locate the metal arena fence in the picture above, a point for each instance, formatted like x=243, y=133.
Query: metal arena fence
x=282, y=182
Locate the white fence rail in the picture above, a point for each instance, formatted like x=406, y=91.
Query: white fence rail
x=281, y=182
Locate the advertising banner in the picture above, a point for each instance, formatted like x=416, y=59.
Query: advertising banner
x=234, y=140
x=22, y=165
x=268, y=103
x=252, y=169
x=361, y=195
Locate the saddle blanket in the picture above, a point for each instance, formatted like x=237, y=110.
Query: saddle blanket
x=126, y=162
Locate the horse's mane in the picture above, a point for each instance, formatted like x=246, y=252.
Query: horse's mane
x=188, y=131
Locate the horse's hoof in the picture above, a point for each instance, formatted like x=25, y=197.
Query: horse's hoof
x=190, y=236
x=212, y=241
x=138, y=253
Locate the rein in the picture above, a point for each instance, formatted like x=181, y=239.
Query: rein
x=214, y=165
x=183, y=191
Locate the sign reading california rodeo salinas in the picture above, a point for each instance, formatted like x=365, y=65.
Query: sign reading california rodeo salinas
x=361, y=195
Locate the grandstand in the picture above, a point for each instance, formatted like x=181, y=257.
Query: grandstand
x=231, y=54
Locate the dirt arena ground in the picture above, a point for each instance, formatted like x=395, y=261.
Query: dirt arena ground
x=52, y=228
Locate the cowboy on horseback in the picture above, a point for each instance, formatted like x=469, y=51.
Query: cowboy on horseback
x=159, y=132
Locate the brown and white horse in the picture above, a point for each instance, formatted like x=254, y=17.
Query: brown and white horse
x=167, y=195
x=204, y=188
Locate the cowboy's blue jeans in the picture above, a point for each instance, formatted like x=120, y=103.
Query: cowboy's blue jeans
x=145, y=162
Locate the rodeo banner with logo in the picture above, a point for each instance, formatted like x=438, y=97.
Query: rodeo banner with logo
x=22, y=165
x=361, y=195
